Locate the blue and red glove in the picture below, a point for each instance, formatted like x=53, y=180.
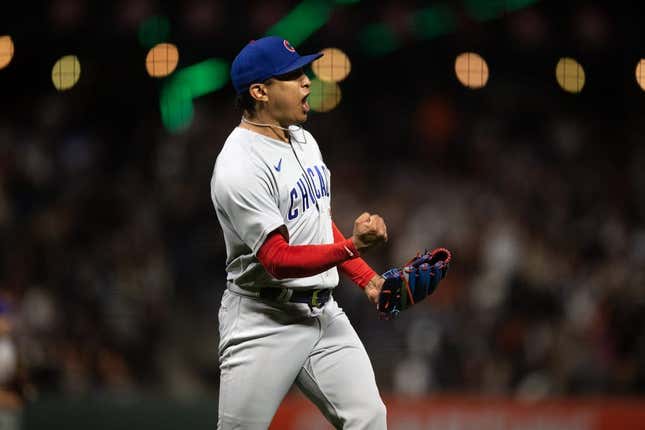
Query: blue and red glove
x=408, y=285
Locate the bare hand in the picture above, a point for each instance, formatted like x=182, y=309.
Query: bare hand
x=369, y=230
x=373, y=288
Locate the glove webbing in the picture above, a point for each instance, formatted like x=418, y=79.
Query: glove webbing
x=404, y=300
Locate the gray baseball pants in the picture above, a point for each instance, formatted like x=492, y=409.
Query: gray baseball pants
x=266, y=346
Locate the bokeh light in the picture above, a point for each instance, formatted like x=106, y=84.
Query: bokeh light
x=162, y=60
x=324, y=96
x=178, y=91
x=6, y=51
x=66, y=72
x=378, y=39
x=433, y=21
x=570, y=75
x=154, y=30
x=471, y=70
x=302, y=21
x=176, y=105
x=484, y=10
x=640, y=74
x=333, y=66
x=436, y=122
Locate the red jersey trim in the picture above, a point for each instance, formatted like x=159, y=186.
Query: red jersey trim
x=282, y=260
x=357, y=269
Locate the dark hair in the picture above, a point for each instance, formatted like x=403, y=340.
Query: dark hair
x=244, y=102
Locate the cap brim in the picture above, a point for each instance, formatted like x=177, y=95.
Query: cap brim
x=300, y=62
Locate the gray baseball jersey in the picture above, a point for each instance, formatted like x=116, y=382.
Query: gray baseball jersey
x=265, y=347
x=259, y=184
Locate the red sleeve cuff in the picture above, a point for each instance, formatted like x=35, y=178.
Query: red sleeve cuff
x=357, y=269
x=350, y=247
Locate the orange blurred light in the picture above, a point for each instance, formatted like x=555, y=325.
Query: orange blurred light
x=6, y=51
x=471, y=70
x=640, y=74
x=162, y=60
x=333, y=66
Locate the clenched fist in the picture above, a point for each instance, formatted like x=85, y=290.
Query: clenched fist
x=369, y=230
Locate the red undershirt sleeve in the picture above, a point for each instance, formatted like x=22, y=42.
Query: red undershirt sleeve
x=282, y=260
x=357, y=269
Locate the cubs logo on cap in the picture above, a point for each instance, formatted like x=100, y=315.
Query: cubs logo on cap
x=288, y=46
x=264, y=58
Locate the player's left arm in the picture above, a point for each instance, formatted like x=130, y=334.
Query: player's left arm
x=359, y=271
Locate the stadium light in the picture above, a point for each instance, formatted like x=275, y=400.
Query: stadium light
x=6, y=51
x=471, y=70
x=324, y=96
x=570, y=75
x=162, y=60
x=640, y=74
x=333, y=66
x=66, y=72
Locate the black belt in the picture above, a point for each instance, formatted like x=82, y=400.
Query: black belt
x=314, y=298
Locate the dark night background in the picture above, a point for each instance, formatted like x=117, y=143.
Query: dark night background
x=112, y=260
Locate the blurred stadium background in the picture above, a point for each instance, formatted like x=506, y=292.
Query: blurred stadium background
x=509, y=131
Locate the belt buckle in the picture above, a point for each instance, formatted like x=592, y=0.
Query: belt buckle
x=317, y=301
x=314, y=299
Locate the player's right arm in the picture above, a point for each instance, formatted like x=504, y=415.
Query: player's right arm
x=282, y=260
x=246, y=201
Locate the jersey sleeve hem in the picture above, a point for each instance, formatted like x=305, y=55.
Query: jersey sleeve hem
x=263, y=237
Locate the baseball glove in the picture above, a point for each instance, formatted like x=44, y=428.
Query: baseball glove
x=412, y=283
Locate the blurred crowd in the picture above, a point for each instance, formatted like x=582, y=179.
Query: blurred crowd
x=112, y=260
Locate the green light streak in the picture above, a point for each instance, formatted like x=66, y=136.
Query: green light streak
x=512, y=5
x=378, y=39
x=176, y=107
x=302, y=21
x=484, y=10
x=433, y=21
x=202, y=78
x=154, y=30
x=178, y=92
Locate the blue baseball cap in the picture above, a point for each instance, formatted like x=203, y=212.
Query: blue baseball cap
x=264, y=58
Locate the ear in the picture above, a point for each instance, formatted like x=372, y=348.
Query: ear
x=258, y=92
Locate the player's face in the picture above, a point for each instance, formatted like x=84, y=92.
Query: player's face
x=288, y=97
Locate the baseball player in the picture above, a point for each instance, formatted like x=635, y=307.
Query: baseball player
x=278, y=322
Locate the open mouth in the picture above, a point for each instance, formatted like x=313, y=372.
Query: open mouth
x=305, y=104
